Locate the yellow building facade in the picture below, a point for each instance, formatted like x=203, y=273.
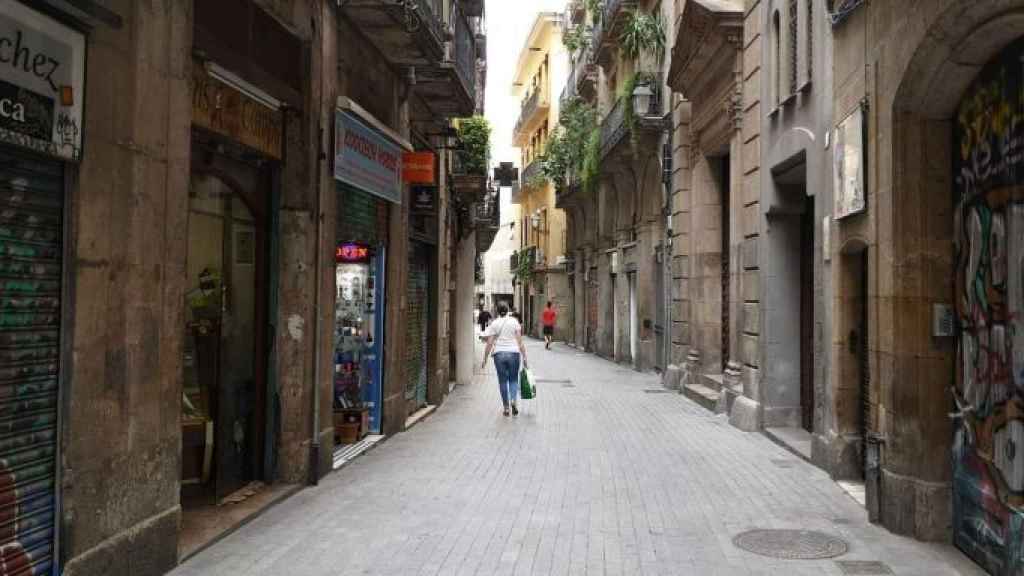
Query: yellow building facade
x=539, y=265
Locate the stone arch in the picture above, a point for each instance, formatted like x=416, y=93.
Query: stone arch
x=911, y=269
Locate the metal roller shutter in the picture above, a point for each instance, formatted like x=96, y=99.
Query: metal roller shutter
x=418, y=318
x=31, y=200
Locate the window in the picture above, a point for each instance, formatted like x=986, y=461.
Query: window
x=810, y=39
x=776, y=59
x=793, y=44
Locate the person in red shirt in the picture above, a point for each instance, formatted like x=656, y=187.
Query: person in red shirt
x=548, y=318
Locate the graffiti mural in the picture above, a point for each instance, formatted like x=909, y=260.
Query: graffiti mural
x=988, y=446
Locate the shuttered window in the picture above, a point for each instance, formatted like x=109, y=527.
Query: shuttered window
x=31, y=201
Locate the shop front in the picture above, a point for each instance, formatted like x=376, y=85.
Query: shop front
x=367, y=170
x=227, y=429
x=42, y=68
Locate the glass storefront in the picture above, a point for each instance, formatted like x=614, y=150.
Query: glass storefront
x=358, y=322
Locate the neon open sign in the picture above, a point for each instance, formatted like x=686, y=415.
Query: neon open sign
x=352, y=253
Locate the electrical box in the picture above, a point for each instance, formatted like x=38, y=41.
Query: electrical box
x=943, y=322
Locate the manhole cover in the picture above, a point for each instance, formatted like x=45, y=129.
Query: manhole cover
x=657, y=391
x=863, y=567
x=791, y=544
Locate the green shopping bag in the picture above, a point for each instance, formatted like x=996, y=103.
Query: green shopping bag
x=527, y=388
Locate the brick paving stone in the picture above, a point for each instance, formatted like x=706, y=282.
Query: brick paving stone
x=597, y=478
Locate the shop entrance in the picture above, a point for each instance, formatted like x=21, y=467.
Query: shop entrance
x=358, y=345
x=224, y=399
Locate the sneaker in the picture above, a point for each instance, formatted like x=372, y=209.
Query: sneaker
x=505, y=412
x=515, y=410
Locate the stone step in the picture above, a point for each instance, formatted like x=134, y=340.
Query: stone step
x=706, y=397
x=713, y=381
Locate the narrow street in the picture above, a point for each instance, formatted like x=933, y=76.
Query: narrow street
x=603, y=474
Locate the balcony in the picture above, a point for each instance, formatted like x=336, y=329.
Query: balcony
x=487, y=220
x=449, y=88
x=407, y=33
x=566, y=194
x=614, y=127
x=577, y=11
x=466, y=185
x=585, y=73
x=608, y=30
x=533, y=172
x=532, y=115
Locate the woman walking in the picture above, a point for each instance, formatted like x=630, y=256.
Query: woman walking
x=505, y=338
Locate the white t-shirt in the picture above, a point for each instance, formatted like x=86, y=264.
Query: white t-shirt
x=505, y=331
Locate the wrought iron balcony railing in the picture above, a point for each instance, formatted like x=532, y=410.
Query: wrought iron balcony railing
x=614, y=126
x=465, y=50
x=533, y=172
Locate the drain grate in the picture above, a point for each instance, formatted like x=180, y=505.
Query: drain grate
x=657, y=391
x=791, y=544
x=863, y=567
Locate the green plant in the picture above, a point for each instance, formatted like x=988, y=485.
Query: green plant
x=626, y=97
x=576, y=38
x=643, y=34
x=524, y=266
x=475, y=135
x=590, y=166
x=563, y=158
x=594, y=9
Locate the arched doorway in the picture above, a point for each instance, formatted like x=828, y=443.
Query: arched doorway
x=988, y=188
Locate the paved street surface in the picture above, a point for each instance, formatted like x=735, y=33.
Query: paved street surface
x=597, y=476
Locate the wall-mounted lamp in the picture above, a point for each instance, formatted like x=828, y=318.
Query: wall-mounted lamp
x=642, y=96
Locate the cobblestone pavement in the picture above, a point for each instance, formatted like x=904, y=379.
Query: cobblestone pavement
x=599, y=475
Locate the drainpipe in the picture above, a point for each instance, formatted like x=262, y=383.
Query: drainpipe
x=314, y=447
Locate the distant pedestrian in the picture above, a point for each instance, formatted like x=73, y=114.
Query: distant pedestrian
x=548, y=318
x=484, y=318
x=505, y=337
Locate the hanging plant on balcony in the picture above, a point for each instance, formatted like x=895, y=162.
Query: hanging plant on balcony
x=475, y=135
x=626, y=97
x=576, y=38
x=564, y=156
x=643, y=35
x=594, y=8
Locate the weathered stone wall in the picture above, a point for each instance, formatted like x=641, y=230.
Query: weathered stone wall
x=121, y=425
x=912, y=66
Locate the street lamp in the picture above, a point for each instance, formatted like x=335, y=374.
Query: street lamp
x=642, y=95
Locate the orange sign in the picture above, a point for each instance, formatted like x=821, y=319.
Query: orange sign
x=418, y=167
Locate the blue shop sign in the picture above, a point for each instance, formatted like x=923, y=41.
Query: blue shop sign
x=366, y=159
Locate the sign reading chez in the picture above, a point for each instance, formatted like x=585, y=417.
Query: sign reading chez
x=220, y=108
x=42, y=71
x=366, y=159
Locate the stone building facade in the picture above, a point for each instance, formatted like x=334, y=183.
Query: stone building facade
x=617, y=230
x=538, y=80
x=937, y=90
x=715, y=72
x=193, y=219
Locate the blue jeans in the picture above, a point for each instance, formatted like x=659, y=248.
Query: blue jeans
x=507, y=365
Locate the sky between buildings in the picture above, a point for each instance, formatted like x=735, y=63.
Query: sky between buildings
x=508, y=23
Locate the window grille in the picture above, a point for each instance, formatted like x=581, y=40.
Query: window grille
x=776, y=58
x=810, y=39
x=793, y=44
